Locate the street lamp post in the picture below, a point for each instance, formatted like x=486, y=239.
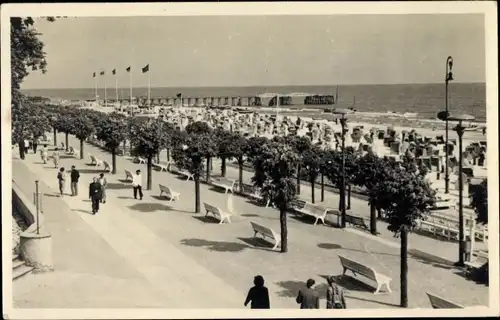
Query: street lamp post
x=54, y=119
x=343, y=121
x=460, y=129
x=448, y=78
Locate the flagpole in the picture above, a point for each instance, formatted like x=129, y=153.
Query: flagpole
x=95, y=88
x=105, y=93
x=116, y=87
x=149, y=89
x=130, y=78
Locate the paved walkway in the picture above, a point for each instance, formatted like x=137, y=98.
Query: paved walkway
x=154, y=253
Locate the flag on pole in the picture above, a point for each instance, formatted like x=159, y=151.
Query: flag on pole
x=102, y=73
x=179, y=95
x=93, y=75
x=145, y=69
x=128, y=69
x=113, y=72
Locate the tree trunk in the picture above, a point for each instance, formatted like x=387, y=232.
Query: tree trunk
x=149, y=182
x=348, y=197
x=67, y=141
x=197, y=193
x=298, y=179
x=240, y=165
x=223, y=166
x=81, y=149
x=113, y=160
x=322, y=187
x=373, y=218
x=55, y=137
x=158, y=157
x=284, y=231
x=21, y=149
x=208, y=169
x=312, y=190
x=404, y=267
x=124, y=147
x=168, y=154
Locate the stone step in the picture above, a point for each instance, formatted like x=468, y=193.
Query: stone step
x=17, y=263
x=21, y=271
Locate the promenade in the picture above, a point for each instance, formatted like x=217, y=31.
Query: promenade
x=155, y=253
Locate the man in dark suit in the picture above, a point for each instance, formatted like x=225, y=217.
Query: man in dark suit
x=308, y=298
x=95, y=192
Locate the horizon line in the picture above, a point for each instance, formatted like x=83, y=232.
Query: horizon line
x=273, y=85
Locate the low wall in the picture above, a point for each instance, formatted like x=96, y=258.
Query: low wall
x=35, y=245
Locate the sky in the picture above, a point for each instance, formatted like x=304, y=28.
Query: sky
x=212, y=51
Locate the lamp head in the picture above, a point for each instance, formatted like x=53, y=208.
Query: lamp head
x=450, y=62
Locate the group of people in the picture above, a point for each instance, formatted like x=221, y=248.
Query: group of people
x=307, y=298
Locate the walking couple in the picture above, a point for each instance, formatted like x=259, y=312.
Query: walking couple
x=97, y=192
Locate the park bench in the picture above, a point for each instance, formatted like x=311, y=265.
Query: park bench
x=438, y=302
x=139, y=160
x=185, y=173
x=356, y=221
x=107, y=166
x=253, y=193
x=368, y=272
x=169, y=192
x=128, y=175
x=94, y=160
x=162, y=167
x=297, y=204
x=224, y=183
x=217, y=213
x=314, y=211
x=73, y=152
x=266, y=233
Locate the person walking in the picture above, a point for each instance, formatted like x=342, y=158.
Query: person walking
x=104, y=183
x=35, y=144
x=75, y=176
x=56, y=157
x=137, y=184
x=44, y=154
x=61, y=177
x=335, y=298
x=95, y=193
x=258, y=295
x=307, y=297
x=26, y=146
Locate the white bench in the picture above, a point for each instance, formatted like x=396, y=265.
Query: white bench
x=224, y=183
x=128, y=175
x=162, y=167
x=169, y=192
x=107, y=166
x=313, y=211
x=217, y=213
x=95, y=160
x=370, y=273
x=254, y=193
x=185, y=173
x=266, y=233
x=140, y=160
x=438, y=302
x=356, y=221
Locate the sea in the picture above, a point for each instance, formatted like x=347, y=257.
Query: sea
x=424, y=99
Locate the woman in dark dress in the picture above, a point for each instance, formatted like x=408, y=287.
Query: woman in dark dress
x=258, y=295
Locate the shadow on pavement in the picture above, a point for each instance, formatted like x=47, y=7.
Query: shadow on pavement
x=54, y=195
x=124, y=197
x=124, y=181
x=369, y=300
x=64, y=156
x=206, y=219
x=250, y=215
x=350, y=284
x=83, y=211
x=218, y=190
x=331, y=246
x=220, y=246
x=91, y=171
x=258, y=243
x=161, y=198
x=117, y=186
x=291, y=288
x=149, y=207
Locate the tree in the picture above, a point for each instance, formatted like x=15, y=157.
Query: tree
x=64, y=124
x=113, y=130
x=224, y=140
x=210, y=150
x=254, y=145
x=406, y=198
x=189, y=152
x=148, y=138
x=299, y=145
x=275, y=168
x=312, y=161
x=233, y=145
x=82, y=127
x=372, y=171
x=480, y=201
